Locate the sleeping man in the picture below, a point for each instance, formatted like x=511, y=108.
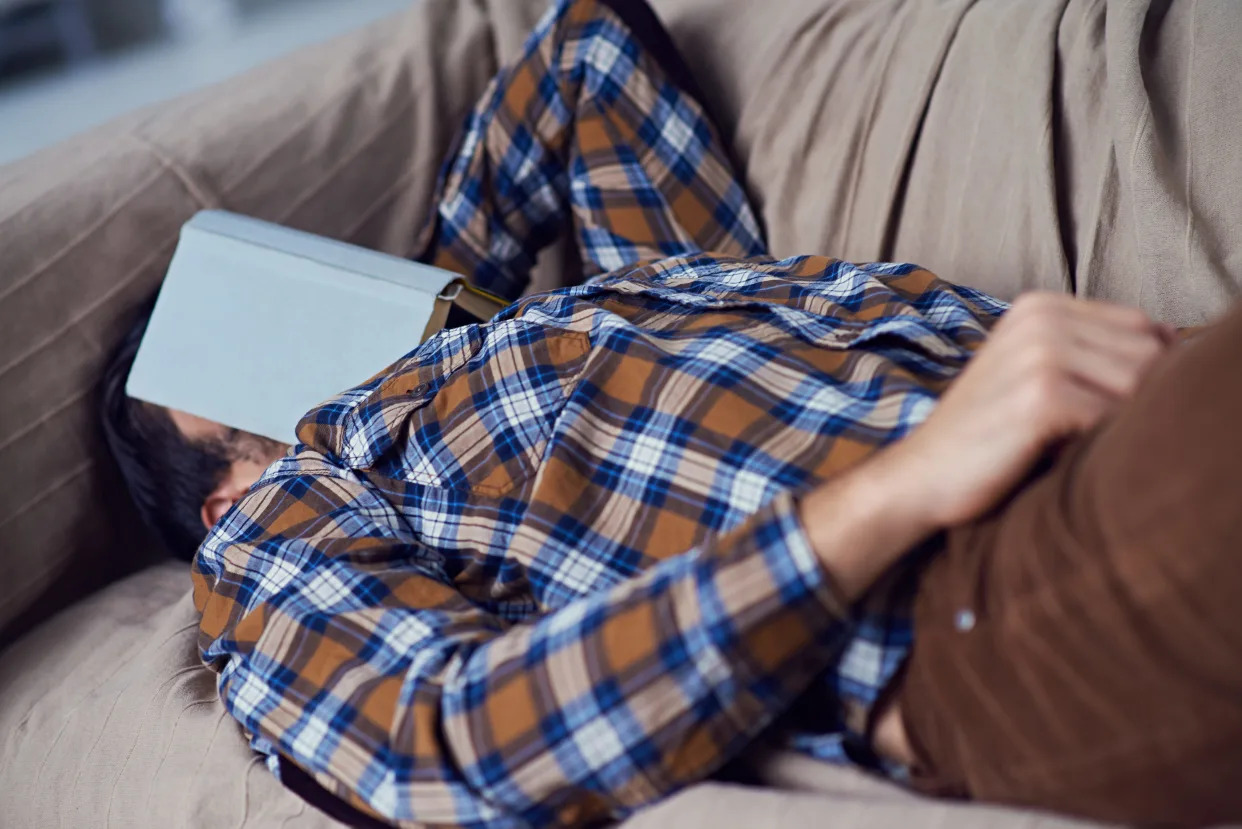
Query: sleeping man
x=551, y=568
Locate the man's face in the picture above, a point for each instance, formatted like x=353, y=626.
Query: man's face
x=248, y=456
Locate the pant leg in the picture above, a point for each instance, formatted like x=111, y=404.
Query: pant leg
x=594, y=127
x=1081, y=649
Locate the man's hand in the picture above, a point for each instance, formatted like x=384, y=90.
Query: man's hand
x=1053, y=367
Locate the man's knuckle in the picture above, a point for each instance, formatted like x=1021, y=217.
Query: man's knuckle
x=1043, y=355
x=1029, y=305
x=1021, y=303
x=1135, y=318
x=1044, y=302
x=1043, y=319
x=1129, y=380
x=1043, y=385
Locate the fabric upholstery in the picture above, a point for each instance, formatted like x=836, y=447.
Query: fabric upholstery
x=1086, y=146
x=1064, y=144
x=123, y=727
x=107, y=718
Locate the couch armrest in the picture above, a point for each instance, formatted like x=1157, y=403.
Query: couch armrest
x=342, y=139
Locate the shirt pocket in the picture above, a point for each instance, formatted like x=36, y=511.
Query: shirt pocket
x=478, y=421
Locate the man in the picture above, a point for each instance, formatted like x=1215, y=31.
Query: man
x=183, y=472
x=551, y=568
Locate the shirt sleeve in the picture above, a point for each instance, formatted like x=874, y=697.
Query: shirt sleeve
x=343, y=647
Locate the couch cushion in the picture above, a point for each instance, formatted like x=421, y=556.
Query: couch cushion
x=108, y=718
x=837, y=802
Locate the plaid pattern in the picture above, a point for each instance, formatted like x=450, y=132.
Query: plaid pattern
x=547, y=569
x=588, y=126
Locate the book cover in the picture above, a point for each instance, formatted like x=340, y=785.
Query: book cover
x=256, y=324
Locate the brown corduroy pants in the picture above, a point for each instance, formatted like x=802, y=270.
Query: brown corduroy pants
x=1081, y=648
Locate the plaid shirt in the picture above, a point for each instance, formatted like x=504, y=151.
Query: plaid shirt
x=548, y=569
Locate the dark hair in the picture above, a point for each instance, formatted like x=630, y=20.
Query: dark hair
x=169, y=476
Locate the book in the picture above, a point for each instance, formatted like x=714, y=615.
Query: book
x=256, y=324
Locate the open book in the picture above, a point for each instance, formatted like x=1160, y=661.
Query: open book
x=256, y=324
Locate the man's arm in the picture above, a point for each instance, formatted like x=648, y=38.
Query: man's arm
x=344, y=648
x=1053, y=367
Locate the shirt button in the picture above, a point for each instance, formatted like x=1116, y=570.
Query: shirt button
x=964, y=620
x=419, y=389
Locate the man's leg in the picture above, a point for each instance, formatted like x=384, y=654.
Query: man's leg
x=1081, y=648
x=595, y=126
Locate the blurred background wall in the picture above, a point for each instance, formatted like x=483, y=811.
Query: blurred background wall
x=67, y=65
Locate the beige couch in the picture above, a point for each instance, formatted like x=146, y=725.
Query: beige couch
x=1082, y=145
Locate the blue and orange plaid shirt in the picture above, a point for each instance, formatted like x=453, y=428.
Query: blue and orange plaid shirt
x=548, y=569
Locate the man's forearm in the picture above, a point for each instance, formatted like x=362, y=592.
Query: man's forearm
x=863, y=522
x=592, y=710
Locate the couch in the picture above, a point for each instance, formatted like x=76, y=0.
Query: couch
x=1068, y=145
